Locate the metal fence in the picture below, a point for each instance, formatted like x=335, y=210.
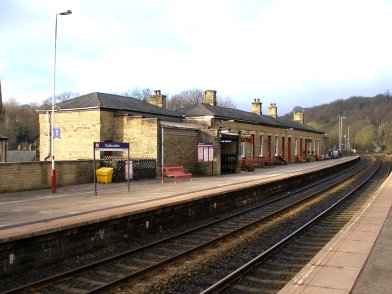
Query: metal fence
x=143, y=168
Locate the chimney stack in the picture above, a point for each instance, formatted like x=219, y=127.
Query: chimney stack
x=273, y=110
x=256, y=106
x=299, y=117
x=157, y=99
x=210, y=97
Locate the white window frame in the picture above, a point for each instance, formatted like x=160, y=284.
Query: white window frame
x=261, y=147
x=242, y=149
x=296, y=147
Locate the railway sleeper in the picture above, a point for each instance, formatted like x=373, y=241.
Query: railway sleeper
x=293, y=258
x=67, y=289
x=127, y=267
x=109, y=274
x=265, y=271
x=309, y=247
x=90, y=281
x=298, y=253
x=287, y=266
x=274, y=284
x=155, y=255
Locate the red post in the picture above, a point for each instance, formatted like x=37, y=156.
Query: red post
x=53, y=176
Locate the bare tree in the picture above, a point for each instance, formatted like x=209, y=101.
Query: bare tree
x=60, y=98
x=194, y=96
x=141, y=94
x=185, y=98
x=225, y=102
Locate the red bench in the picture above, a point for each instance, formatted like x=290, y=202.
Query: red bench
x=247, y=164
x=175, y=172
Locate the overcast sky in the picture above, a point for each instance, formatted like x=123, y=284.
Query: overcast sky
x=288, y=52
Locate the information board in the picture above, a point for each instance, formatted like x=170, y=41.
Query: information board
x=205, y=152
x=111, y=146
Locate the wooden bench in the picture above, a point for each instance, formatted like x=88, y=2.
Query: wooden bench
x=175, y=172
x=247, y=164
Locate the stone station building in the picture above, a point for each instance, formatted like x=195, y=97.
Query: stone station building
x=184, y=137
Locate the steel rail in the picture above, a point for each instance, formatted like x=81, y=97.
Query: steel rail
x=243, y=270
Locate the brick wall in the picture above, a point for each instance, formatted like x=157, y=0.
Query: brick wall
x=36, y=175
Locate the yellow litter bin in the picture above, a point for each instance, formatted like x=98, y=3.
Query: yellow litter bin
x=104, y=175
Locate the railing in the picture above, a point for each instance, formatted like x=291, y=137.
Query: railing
x=143, y=168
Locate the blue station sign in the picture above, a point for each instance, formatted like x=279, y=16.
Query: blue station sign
x=111, y=146
x=56, y=133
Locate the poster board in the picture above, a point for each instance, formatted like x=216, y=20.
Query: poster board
x=205, y=152
x=109, y=146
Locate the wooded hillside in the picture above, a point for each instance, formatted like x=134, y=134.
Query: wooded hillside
x=369, y=120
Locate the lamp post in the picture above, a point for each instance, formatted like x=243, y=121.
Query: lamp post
x=340, y=132
x=53, y=171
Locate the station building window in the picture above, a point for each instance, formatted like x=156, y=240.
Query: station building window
x=242, y=149
x=261, y=153
x=296, y=147
x=276, y=145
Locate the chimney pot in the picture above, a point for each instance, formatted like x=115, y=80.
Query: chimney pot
x=157, y=99
x=273, y=110
x=256, y=106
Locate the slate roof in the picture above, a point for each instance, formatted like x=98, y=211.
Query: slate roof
x=115, y=102
x=205, y=109
x=180, y=125
x=3, y=138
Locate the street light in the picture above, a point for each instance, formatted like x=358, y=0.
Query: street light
x=53, y=171
x=340, y=132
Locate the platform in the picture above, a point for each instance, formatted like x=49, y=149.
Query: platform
x=28, y=213
x=31, y=213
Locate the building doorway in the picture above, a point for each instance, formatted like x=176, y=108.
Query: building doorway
x=229, y=157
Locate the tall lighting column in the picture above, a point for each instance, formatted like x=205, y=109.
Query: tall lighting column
x=340, y=132
x=53, y=171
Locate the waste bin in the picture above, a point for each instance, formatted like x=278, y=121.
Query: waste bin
x=104, y=175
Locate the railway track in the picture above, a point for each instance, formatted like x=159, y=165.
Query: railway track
x=272, y=269
x=132, y=266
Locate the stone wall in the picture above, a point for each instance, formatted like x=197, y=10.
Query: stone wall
x=36, y=175
x=180, y=148
x=141, y=133
x=78, y=130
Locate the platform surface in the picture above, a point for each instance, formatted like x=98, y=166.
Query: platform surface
x=44, y=210
x=365, y=242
